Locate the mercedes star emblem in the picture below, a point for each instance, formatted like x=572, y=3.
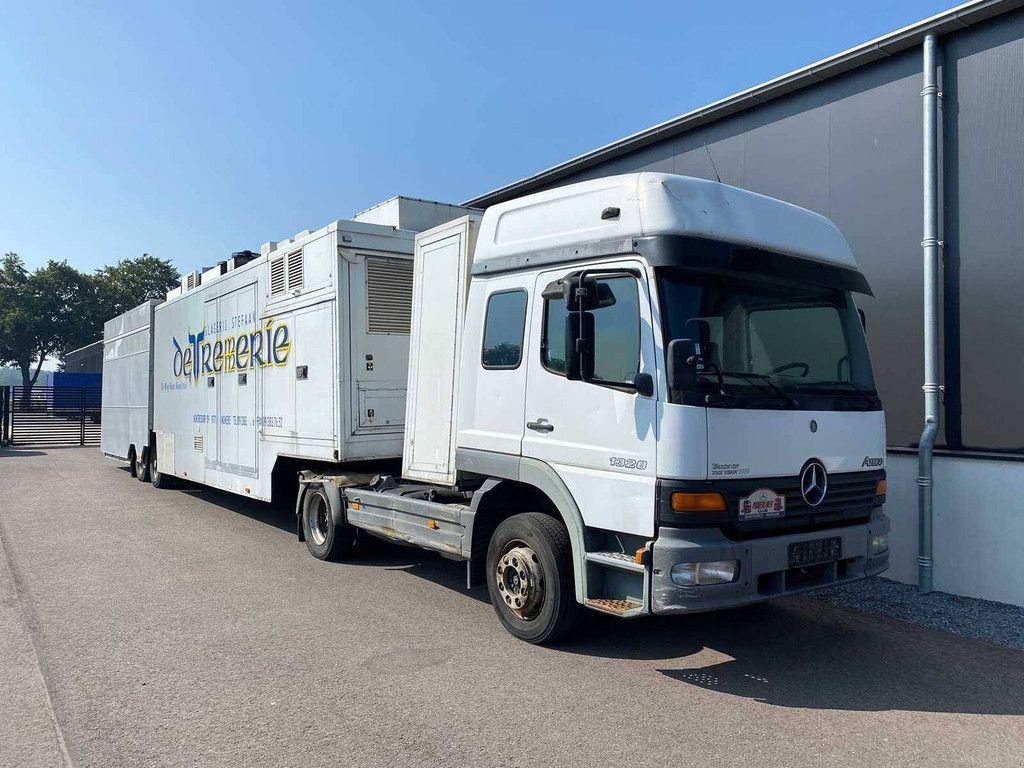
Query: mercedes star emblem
x=814, y=483
x=814, y=426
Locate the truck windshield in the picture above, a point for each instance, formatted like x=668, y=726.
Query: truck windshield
x=766, y=342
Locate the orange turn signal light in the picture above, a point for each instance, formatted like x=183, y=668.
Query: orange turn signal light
x=697, y=502
x=880, y=488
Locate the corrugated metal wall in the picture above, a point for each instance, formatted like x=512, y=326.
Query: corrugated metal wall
x=983, y=117
x=850, y=148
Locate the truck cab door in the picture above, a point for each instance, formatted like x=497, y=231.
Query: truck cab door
x=600, y=436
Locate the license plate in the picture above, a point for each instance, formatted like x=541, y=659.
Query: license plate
x=814, y=552
x=762, y=504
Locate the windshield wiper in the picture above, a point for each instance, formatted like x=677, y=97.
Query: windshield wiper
x=767, y=380
x=864, y=394
x=776, y=390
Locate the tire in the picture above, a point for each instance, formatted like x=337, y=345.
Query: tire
x=540, y=608
x=142, y=469
x=155, y=477
x=132, y=466
x=325, y=539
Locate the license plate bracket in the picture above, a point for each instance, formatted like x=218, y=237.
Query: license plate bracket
x=815, y=552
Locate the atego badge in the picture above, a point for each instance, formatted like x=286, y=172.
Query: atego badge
x=762, y=504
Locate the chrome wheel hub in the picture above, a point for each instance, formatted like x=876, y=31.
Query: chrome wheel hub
x=520, y=581
x=319, y=524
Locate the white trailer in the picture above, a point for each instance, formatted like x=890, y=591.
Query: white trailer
x=265, y=366
x=127, y=406
x=639, y=394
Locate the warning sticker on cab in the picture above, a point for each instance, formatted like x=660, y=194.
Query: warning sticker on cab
x=762, y=504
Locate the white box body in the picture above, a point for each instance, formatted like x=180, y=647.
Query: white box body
x=300, y=353
x=442, y=263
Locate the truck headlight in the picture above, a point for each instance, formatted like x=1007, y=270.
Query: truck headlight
x=701, y=574
x=878, y=543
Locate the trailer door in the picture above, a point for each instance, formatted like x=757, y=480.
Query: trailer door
x=237, y=388
x=208, y=429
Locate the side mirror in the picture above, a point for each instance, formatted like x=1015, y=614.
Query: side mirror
x=579, y=351
x=644, y=384
x=682, y=374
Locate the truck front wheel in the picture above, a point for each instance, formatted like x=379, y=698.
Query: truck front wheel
x=530, y=578
x=326, y=538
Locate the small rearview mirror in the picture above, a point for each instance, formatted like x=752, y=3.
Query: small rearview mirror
x=682, y=374
x=644, y=384
x=587, y=294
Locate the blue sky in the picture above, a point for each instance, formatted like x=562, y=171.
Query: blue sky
x=190, y=130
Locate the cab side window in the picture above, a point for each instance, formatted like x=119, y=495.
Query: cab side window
x=504, y=323
x=616, y=333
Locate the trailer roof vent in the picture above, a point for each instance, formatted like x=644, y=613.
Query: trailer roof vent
x=388, y=295
x=295, y=270
x=277, y=284
x=190, y=280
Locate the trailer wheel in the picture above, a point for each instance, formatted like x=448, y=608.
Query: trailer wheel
x=141, y=467
x=325, y=538
x=133, y=469
x=155, y=477
x=530, y=578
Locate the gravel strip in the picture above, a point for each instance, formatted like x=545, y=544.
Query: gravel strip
x=967, y=616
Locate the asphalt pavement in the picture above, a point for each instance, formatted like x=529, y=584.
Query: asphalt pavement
x=141, y=627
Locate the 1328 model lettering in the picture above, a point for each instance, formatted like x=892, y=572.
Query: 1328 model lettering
x=619, y=461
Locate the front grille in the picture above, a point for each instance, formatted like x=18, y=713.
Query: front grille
x=850, y=498
x=850, y=489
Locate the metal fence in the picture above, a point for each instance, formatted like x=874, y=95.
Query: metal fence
x=50, y=415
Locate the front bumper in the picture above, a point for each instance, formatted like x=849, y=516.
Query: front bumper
x=764, y=565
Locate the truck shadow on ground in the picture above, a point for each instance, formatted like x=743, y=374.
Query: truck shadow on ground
x=808, y=654
x=273, y=515
x=796, y=652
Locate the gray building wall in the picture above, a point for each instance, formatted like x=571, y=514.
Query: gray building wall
x=850, y=148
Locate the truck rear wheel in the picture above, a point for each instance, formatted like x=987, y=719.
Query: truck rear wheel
x=326, y=538
x=530, y=578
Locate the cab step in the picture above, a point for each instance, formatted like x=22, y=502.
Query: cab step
x=615, y=606
x=618, y=560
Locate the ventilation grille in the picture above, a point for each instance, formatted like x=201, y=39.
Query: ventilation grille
x=197, y=443
x=295, y=271
x=388, y=295
x=277, y=276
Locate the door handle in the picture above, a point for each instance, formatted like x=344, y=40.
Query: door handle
x=540, y=425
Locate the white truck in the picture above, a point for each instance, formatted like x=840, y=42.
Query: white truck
x=638, y=394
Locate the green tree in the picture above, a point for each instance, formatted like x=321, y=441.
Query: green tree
x=41, y=314
x=130, y=282
x=57, y=308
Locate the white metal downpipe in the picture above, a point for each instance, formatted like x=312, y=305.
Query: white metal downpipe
x=930, y=246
